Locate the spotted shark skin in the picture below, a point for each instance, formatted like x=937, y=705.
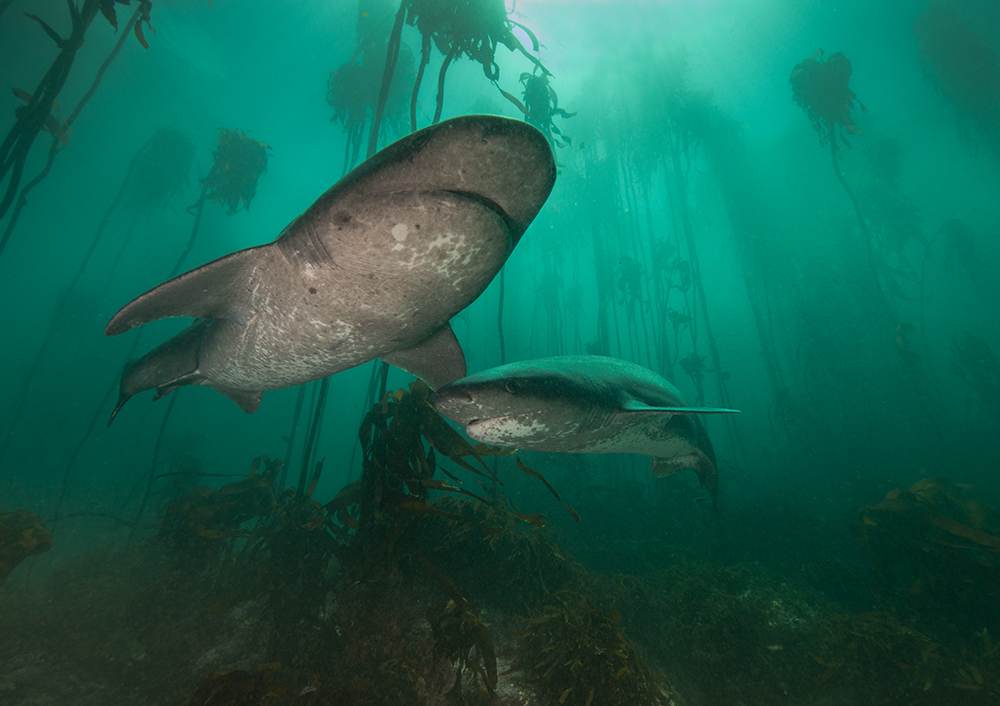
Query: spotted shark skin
x=375, y=268
x=583, y=404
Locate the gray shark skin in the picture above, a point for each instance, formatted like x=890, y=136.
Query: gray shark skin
x=583, y=404
x=375, y=268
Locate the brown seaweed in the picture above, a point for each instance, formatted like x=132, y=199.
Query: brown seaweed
x=21, y=536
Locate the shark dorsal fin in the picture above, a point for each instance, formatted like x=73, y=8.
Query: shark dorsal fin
x=638, y=407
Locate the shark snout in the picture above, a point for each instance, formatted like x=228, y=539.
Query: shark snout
x=448, y=396
x=456, y=403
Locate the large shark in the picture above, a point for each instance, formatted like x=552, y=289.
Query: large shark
x=375, y=268
x=583, y=404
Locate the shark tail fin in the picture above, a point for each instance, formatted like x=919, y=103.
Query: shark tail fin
x=171, y=364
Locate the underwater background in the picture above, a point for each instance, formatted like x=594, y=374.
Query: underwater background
x=784, y=207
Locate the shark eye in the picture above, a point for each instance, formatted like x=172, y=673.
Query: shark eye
x=511, y=386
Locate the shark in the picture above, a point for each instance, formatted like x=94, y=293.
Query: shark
x=584, y=404
x=374, y=269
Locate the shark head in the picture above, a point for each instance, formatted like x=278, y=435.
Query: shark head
x=519, y=405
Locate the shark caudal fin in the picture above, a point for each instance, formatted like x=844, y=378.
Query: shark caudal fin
x=172, y=360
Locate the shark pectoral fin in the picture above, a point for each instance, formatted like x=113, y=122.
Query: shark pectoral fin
x=637, y=406
x=218, y=290
x=437, y=361
x=695, y=460
x=248, y=401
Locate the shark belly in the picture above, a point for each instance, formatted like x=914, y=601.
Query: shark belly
x=403, y=282
x=650, y=437
x=608, y=433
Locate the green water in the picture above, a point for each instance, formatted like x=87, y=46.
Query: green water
x=842, y=298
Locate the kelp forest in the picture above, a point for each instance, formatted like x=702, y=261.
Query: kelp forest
x=783, y=208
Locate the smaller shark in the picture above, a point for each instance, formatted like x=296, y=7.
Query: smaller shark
x=584, y=404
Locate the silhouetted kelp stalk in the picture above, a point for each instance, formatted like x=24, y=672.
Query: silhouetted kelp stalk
x=37, y=113
x=157, y=171
x=300, y=398
x=695, y=367
x=961, y=251
x=503, y=345
x=58, y=143
x=60, y=133
x=599, y=180
x=472, y=28
x=354, y=87
x=725, y=150
x=239, y=161
x=549, y=296
x=674, y=150
x=821, y=88
x=313, y=439
x=974, y=362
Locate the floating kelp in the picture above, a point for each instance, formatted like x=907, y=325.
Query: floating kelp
x=199, y=525
x=353, y=87
x=496, y=559
x=721, y=630
x=239, y=161
x=237, y=687
x=160, y=169
x=821, y=89
x=540, y=105
x=56, y=124
x=473, y=28
x=21, y=535
x=400, y=438
x=931, y=539
x=460, y=637
x=36, y=115
x=578, y=655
